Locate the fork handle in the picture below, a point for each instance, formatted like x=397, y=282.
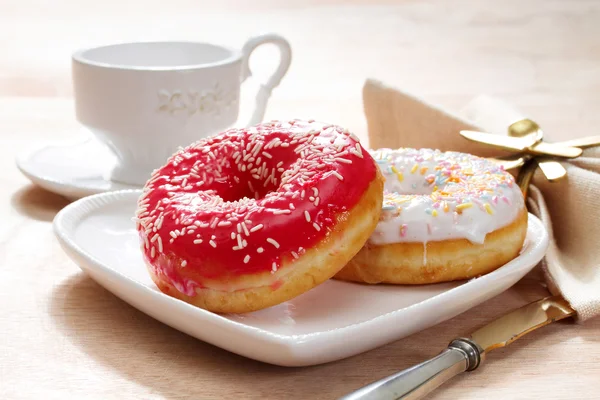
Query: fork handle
x=415, y=382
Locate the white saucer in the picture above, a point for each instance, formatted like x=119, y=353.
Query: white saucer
x=332, y=321
x=73, y=170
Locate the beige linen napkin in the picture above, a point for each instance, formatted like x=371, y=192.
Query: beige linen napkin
x=569, y=208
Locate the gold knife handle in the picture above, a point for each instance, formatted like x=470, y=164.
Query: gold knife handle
x=416, y=382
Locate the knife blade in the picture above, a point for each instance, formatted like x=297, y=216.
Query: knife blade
x=515, y=144
x=510, y=327
x=584, y=142
x=553, y=149
x=465, y=354
x=522, y=144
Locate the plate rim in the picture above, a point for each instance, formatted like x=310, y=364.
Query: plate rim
x=75, y=212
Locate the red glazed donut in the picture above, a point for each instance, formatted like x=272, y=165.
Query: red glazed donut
x=251, y=218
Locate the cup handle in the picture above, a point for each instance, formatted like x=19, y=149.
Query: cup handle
x=264, y=92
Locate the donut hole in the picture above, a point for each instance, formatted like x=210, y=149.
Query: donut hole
x=246, y=186
x=242, y=190
x=256, y=182
x=254, y=170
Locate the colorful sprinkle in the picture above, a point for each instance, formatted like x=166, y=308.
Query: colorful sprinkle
x=448, y=181
x=463, y=206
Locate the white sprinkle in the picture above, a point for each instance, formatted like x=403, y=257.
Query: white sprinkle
x=337, y=175
x=197, y=241
x=146, y=242
x=315, y=191
x=239, y=228
x=274, y=267
x=307, y=216
x=257, y=227
x=260, y=250
x=246, y=259
x=292, y=206
x=278, y=212
x=152, y=252
x=311, y=199
x=245, y=229
x=264, y=153
x=213, y=244
x=183, y=263
x=160, y=246
x=273, y=242
x=239, y=241
x=256, y=148
x=317, y=227
x=302, y=195
x=154, y=238
x=232, y=235
x=357, y=152
x=343, y=160
x=224, y=223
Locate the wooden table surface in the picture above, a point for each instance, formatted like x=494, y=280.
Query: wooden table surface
x=63, y=335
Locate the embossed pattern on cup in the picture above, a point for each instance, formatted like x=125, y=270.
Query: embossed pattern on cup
x=212, y=101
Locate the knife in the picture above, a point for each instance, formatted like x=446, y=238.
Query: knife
x=465, y=354
x=517, y=144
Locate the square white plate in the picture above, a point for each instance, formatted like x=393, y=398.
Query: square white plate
x=333, y=321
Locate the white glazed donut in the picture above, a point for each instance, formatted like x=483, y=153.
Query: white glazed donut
x=446, y=216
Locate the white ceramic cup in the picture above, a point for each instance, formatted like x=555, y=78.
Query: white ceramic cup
x=144, y=100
